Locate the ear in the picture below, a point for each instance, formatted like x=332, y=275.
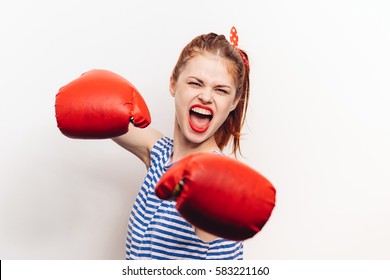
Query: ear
x=172, y=86
x=234, y=105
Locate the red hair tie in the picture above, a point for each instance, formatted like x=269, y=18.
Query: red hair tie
x=234, y=42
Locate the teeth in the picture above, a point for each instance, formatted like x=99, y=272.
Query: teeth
x=201, y=111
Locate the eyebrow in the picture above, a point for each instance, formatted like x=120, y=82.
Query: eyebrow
x=201, y=81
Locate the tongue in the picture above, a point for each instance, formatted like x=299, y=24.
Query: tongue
x=199, y=121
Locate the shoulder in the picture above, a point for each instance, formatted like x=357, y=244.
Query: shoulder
x=163, y=144
x=161, y=150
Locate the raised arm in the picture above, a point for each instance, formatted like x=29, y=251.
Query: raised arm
x=139, y=142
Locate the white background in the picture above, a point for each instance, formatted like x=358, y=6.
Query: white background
x=318, y=122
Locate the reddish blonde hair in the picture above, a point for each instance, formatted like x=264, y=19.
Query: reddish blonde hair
x=218, y=45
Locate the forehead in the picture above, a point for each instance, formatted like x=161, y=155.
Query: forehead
x=210, y=67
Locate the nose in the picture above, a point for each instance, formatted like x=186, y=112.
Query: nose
x=206, y=95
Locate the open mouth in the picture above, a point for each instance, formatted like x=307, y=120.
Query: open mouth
x=200, y=118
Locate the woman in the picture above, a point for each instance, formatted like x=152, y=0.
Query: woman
x=210, y=85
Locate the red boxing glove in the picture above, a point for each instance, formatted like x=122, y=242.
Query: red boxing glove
x=99, y=104
x=219, y=195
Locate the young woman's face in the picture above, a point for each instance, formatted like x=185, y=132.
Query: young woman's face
x=204, y=96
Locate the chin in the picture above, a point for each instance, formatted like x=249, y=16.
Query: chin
x=198, y=138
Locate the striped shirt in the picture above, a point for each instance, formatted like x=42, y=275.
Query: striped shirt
x=157, y=231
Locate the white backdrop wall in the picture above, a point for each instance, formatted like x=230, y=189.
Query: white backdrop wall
x=318, y=122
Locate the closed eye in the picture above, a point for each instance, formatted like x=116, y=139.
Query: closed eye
x=221, y=90
x=194, y=84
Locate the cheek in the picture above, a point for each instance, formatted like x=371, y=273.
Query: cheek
x=228, y=106
x=228, y=109
x=179, y=101
x=181, y=105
